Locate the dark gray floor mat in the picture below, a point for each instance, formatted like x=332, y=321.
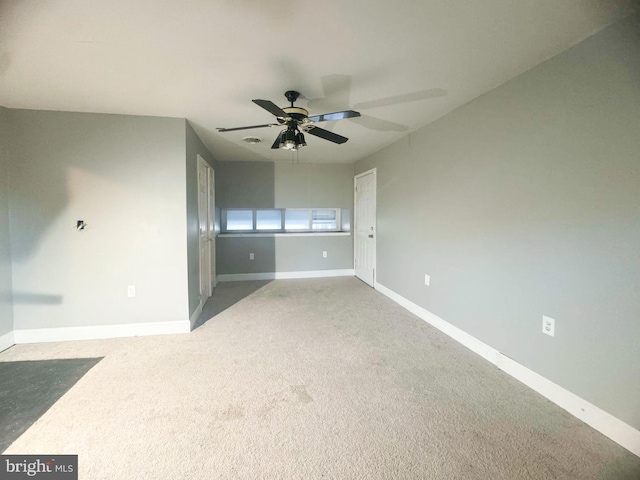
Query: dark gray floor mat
x=29, y=389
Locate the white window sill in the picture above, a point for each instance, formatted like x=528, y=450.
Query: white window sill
x=284, y=234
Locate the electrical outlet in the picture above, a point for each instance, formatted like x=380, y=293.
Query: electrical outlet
x=548, y=326
x=252, y=256
x=324, y=254
x=131, y=291
x=427, y=280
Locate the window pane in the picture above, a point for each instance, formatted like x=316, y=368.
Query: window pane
x=324, y=220
x=239, y=219
x=296, y=219
x=268, y=220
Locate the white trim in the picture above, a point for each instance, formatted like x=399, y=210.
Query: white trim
x=207, y=280
x=212, y=228
x=239, y=277
x=285, y=234
x=61, y=334
x=348, y=272
x=610, y=426
x=460, y=336
x=236, y=277
x=363, y=174
x=196, y=314
x=373, y=171
x=7, y=340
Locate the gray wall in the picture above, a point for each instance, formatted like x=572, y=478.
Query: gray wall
x=125, y=177
x=524, y=203
x=245, y=185
x=314, y=185
x=280, y=185
x=194, y=147
x=6, y=308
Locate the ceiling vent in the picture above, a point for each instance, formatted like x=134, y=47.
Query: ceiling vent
x=252, y=140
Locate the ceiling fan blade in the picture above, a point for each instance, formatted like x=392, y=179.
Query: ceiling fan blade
x=327, y=135
x=405, y=98
x=379, y=125
x=270, y=107
x=327, y=117
x=247, y=128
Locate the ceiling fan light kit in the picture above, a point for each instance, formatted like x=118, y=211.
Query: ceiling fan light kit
x=288, y=140
x=297, y=121
x=300, y=142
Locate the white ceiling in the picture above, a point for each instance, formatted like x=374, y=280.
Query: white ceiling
x=401, y=63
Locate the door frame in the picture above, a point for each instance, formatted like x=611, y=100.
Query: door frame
x=373, y=171
x=211, y=237
x=204, y=275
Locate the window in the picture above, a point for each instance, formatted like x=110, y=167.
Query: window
x=296, y=219
x=324, y=219
x=239, y=220
x=282, y=220
x=268, y=219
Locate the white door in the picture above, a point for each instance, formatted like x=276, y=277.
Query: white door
x=203, y=230
x=365, y=227
x=212, y=225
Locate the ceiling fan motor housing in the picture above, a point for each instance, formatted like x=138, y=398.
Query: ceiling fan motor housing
x=297, y=113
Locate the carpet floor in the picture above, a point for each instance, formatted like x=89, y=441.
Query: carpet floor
x=309, y=379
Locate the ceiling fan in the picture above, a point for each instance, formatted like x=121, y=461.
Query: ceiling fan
x=297, y=120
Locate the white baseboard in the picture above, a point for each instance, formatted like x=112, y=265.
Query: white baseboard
x=347, y=272
x=41, y=335
x=196, y=314
x=239, y=277
x=7, y=340
x=610, y=426
x=236, y=277
x=454, y=332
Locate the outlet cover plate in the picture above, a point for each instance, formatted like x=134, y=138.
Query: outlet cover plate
x=548, y=326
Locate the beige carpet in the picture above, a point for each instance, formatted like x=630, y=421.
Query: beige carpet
x=309, y=379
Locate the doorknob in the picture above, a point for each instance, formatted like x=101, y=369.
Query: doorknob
x=371, y=235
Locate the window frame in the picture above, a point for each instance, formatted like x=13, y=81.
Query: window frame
x=267, y=230
x=338, y=220
x=223, y=220
x=282, y=230
x=296, y=230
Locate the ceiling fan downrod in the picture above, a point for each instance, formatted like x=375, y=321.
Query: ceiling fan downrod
x=291, y=96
